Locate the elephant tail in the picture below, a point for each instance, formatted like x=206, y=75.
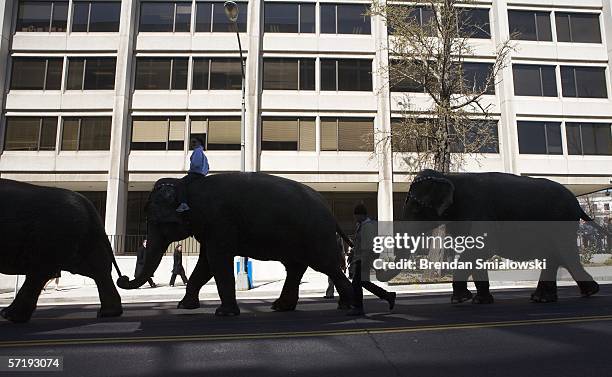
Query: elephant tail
x=343, y=235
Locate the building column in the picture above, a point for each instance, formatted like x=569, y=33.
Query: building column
x=508, y=138
x=382, y=124
x=253, y=87
x=6, y=9
x=117, y=189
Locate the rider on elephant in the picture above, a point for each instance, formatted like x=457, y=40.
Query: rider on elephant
x=198, y=168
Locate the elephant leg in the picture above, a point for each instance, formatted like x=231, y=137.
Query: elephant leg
x=345, y=289
x=221, y=266
x=201, y=275
x=481, y=280
x=109, y=297
x=587, y=285
x=546, y=290
x=289, y=296
x=23, y=306
x=461, y=292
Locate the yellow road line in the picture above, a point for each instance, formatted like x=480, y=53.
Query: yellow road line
x=300, y=334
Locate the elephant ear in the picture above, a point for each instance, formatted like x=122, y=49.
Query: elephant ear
x=162, y=203
x=432, y=192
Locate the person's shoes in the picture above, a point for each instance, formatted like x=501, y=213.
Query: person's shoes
x=328, y=297
x=182, y=208
x=391, y=300
x=153, y=285
x=172, y=285
x=354, y=312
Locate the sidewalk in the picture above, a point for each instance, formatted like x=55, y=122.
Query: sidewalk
x=313, y=285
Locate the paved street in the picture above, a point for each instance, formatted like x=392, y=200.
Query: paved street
x=425, y=336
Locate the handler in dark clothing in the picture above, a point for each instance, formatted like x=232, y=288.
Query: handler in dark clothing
x=140, y=262
x=177, y=268
x=361, y=263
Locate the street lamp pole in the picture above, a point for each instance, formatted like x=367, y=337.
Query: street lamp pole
x=231, y=11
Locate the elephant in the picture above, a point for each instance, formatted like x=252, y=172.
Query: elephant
x=253, y=215
x=461, y=199
x=45, y=230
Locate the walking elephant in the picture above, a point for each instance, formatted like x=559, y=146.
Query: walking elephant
x=45, y=230
x=496, y=200
x=253, y=215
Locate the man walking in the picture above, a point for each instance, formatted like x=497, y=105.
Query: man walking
x=361, y=264
x=329, y=293
x=140, y=262
x=177, y=268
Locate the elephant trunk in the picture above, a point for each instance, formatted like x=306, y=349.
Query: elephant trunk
x=153, y=255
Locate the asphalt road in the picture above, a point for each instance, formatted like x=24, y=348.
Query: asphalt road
x=424, y=336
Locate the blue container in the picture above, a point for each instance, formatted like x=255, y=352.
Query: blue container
x=249, y=271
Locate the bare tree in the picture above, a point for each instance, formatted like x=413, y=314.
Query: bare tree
x=429, y=43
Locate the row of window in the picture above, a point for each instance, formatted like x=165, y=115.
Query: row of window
x=168, y=133
x=582, y=138
x=278, y=133
x=103, y=16
x=163, y=73
x=576, y=81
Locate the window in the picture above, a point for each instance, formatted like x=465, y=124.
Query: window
x=421, y=16
x=398, y=82
x=30, y=133
x=474, y=23
x=86, y=134
x=289, y=18
x=530, y=25
x=37, y=73
x=475, y=77
x=539, y=137
x=42, y=16
x=578, y=27
x=210, y=16
x=346, y=74
x=288, y=134
x=91, y=74
x=289, y=74
x=165, y=17
x=216, y=74
x=534, y=80
x=347, y=134
x=97, y=16
x=158, y=134
x=344, y=19
x=161, y=73
x=584, y=82
x=218, y=133
x=589, y=138
x=480, y=135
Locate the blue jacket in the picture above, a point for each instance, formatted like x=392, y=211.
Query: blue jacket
x=199, y=162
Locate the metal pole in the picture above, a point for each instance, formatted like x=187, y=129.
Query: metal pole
x=242, y=280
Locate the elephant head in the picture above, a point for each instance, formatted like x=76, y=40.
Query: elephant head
x=430, y=195
x=164, y=226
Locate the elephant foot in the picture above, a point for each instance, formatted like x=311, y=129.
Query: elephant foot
x=188, y=303
x=281, y=305
x=107, y=313
x=588, y=288
x=483, y=299
x=14, y=315
x=227, y=311
x=461, y=296
x=545, y=292
x=343, y=306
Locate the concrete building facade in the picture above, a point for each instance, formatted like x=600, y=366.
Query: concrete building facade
x=102, y=96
